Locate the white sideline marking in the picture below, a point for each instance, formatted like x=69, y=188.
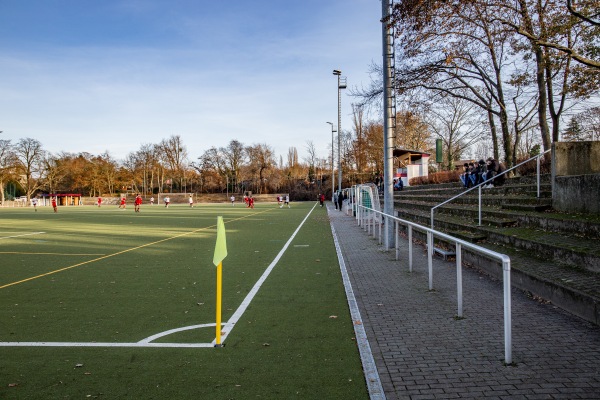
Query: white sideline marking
x=370, y=369
x=25, y=234
x=101, y=344
x=242, y=308
x=166, y=333
x=147, y=342
x=142, y=343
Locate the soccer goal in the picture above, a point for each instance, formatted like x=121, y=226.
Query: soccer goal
x=367, y=195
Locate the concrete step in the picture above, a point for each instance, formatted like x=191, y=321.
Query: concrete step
x=573, y=289
x=501, y=222
x=486, y=199
x=473, y=237
x=584, y=225
x=569, y=250
x=527, y=207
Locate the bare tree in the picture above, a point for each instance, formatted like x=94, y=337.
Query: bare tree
x=174, y=154
x=261, y=159
x=235, y=155
x=454, y=121
x=54, y=171
x=412, y=132
x=311, y=159
x=591, y=123
x=30, y=167
x=7, y=163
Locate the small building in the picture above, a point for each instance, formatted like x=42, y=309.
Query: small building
x=63, y=199
x=410, y=164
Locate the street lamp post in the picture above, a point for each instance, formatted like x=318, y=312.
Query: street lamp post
x=332, y=160
x=341, y=80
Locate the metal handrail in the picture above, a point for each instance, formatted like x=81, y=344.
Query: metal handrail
x=368, y=222
x=538, y=157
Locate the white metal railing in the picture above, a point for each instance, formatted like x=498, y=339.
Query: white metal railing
x=538, y=157
x=368, y=218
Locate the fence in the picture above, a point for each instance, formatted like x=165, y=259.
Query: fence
x=368, y=219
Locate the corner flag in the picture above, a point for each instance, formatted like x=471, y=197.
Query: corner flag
x=220, y=254
x=221, y=245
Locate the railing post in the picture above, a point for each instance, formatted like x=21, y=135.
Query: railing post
x=362, y=219
x=387, y=236
x=396, y=241
x=507, y=313
x=479, y=206
x=432, y=209
x=410, y=248
x=538, y=175
x=373, y=220
x=430, y=258
x=459, y=288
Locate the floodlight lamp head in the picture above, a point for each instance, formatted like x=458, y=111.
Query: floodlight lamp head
x=337, y=72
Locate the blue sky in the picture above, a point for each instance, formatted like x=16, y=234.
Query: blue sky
x=87, y=75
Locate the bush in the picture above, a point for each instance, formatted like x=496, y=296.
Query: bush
x=530, y=168
x=436, y=177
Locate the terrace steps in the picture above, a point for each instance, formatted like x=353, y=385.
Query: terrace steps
x=554, y=255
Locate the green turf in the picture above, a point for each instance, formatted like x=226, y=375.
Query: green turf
x=129, y=276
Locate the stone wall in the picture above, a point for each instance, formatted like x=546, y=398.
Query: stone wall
x=576, y=177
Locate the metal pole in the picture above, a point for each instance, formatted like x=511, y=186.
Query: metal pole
x=479, y=206
x=538, y=176
x=459, y=288
x=332, y=161
x=339, y=135
x=429, y=258
x=396, y=240
x=410, y=248
x=388, y=106
x=507, y=313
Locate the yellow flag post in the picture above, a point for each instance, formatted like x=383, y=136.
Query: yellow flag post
x=220, y=254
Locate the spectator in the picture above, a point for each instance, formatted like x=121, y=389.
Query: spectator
x=398, y=184
x=479, y=173
x=472, y=174
x=464, y=177
x=494, y=168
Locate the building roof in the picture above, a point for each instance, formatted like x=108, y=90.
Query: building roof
x=406, y=157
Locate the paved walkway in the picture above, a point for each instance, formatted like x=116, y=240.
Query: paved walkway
x=422, y=352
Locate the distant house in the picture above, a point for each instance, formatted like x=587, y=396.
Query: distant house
x=410, y=164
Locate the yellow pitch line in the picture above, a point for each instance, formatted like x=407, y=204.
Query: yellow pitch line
x=122, y=252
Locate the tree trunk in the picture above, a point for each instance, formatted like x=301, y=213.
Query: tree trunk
x=494, y=133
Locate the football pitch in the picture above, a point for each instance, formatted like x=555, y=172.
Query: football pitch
x=109, y=303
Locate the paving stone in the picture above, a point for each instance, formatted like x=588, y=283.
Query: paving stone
x=423, y=352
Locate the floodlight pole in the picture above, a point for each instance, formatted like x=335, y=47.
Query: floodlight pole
x=341, y=85
x=332, y=160
x=389, y=116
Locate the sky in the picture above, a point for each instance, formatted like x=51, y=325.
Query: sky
x=111, y=75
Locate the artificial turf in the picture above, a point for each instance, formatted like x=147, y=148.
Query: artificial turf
x=124, y=276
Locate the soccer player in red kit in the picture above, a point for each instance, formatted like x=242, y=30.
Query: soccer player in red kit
x=137, y=203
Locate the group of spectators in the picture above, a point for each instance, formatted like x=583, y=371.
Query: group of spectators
x=482, y=171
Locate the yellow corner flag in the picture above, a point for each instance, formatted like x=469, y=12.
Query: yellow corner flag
x=221, y=245
x=220, y=254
